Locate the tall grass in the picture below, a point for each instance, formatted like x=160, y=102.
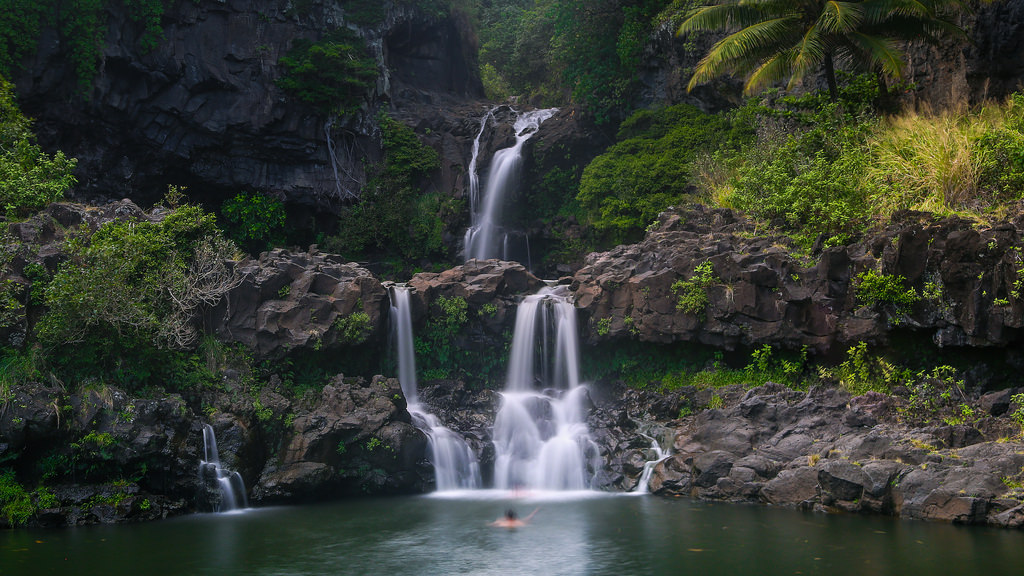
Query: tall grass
x=945, y=161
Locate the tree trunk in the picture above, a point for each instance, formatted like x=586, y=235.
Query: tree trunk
x=830, y=76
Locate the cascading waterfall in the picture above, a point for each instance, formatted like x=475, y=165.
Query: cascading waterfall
x=474, y=175
x=659, y=454
x=455, y=463
x=485, y=237
x=232, y=488
x=540, y=435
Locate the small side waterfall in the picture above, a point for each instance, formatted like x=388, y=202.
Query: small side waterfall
x=540, y=435
x=230, y=484
x=643, y=483
x=485, y=237
x=455, y=463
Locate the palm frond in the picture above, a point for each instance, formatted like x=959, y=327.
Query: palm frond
x=840, y=17
x=880, y=53
x=733, y=14
x=809, y=53
x=729, y=53
x=775, y=69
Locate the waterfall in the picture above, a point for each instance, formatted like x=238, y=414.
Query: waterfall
x=474, y=176
x=230, y=484
x=643, y=483
x=455, y=463
x=540, y=434
x=484, y=236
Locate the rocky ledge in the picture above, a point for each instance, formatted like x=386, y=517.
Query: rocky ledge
x=764, y=289
x=827, y=451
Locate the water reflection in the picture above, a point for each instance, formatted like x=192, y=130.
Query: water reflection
x=449, y=535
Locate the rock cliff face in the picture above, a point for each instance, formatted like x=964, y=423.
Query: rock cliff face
x=202, y=108
x=765, y=291
x=288, y=301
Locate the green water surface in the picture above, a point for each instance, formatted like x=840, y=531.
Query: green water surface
x=568, y=535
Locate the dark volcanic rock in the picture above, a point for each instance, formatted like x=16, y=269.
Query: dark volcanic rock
x=802, y=450
x=764, y=294
x=288, y=301
x=203, y=107
x=358, y=437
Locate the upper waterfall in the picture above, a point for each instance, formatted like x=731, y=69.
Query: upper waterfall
x=486, y=238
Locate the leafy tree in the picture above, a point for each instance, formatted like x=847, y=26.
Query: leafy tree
x=779, y=39
x=257, y=220
x=29, y=178
x=393, y=216
x=134, y=288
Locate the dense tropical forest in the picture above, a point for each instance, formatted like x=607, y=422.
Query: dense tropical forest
x=799, y=117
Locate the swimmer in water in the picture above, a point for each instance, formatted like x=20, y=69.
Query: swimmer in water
x=511, y=520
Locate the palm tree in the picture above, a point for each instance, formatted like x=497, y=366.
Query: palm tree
x=779, y=39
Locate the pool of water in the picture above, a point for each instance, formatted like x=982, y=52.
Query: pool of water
x=583, y=533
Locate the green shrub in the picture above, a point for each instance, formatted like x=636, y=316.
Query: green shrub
x=692, y=296
x=354, y=328
x=128, y=297
x=862, y=372
x=15, y=502
x=1001, y=148
x=1018, y=412
x=873, y=289
x=29, y=178
x=332, y=74
x=805, y=172
x=651, y=167
x=257, y=220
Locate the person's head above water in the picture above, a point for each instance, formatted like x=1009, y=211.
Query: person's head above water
x=510, y=514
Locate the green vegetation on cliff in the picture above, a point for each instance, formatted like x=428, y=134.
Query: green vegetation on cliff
x=395, y=218
x=29, y=178
x=563, y=50
x=127, y=298
x=332, y=74
x=81, y=24
x=652, y=166
x=809, y=167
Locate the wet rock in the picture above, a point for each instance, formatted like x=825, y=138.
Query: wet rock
x=798, y=486
x=358, y=437
x=842, y=480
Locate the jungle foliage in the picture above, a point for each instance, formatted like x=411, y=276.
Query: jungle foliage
x=808, y=166
x=652, y=167
x=125, y=304
x=395, y=217
x=29, y=178
x=81, y=25
x=562, y=51
x=332, y=74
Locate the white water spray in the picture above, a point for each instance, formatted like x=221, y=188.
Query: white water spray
x=485, y=239
x=232, y=488
x=455, y=463
x=540, y=435
x=659, y=454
